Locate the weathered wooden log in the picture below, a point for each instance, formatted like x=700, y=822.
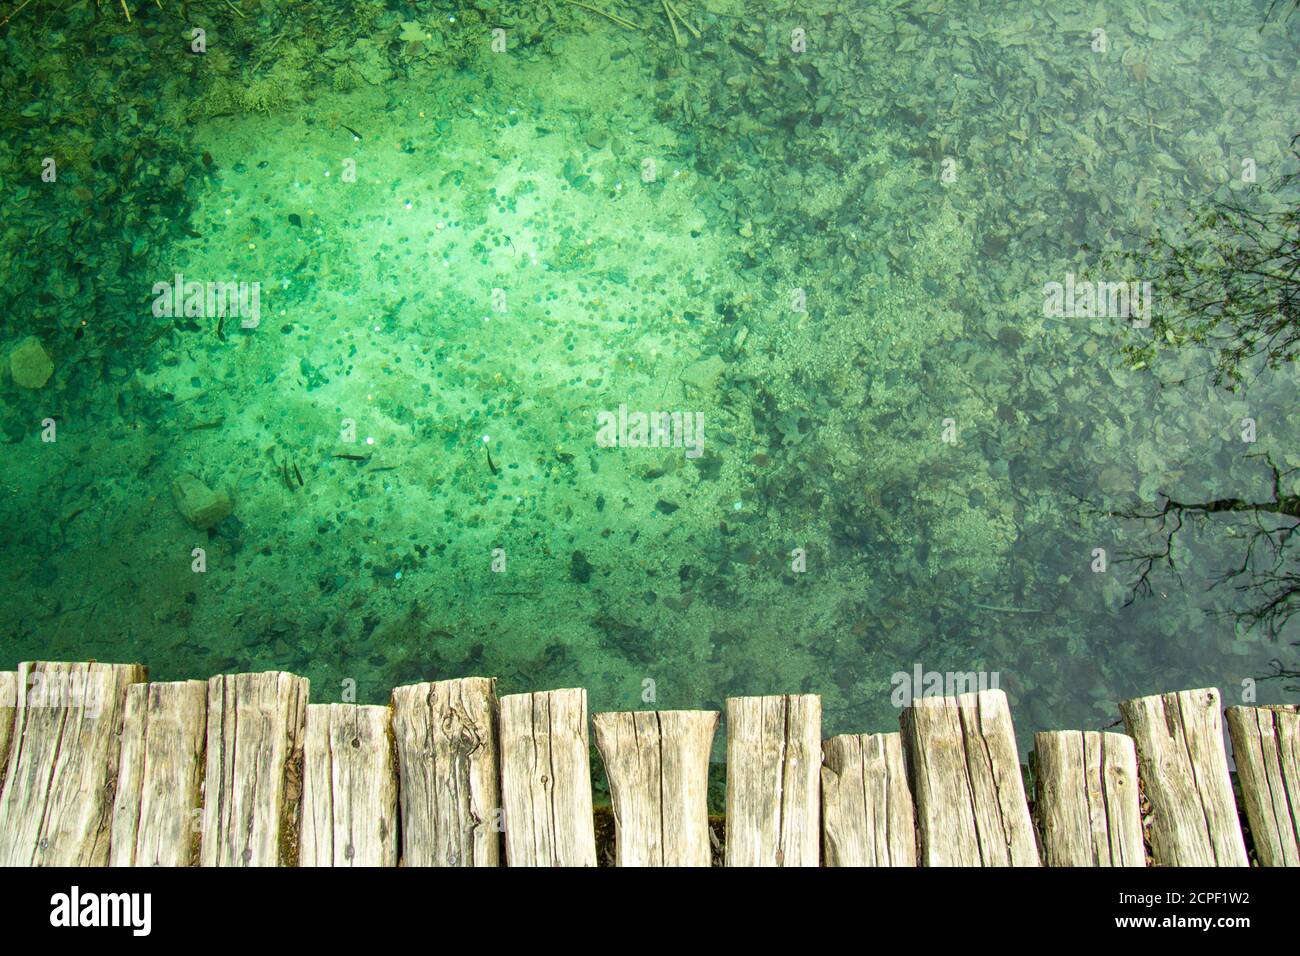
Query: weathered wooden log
x=965, y=773
x=774, y=780
x=8, y=710
x=1184, y=772
x=447, y=760
x=546, y=779
x=98, y=767
x=157, y=811
x=63, y=755
x=657, y=763
x=1087, y=804
x=867, y=817
x=349, y=796
x=253, y=783
x=1266, y=747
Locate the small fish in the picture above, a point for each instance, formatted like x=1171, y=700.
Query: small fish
x=354, y=457
x=355, y=134
x=297, y=474
x=489, y=454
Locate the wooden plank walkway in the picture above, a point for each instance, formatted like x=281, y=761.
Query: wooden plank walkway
x=867, y=817
x=546, y=779
x=774, y=783
x=98, y=766
x=447, y=755
x=1086, y=799
x=970, y=795
x=253, y=778
x=1184, y=769
x=63, y=754
x=157, y=813
x=657, y=763
x=349, y=795
x=1266, y=743
x=8, y=704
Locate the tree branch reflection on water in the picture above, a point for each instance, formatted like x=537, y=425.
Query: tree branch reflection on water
x=1229, y=281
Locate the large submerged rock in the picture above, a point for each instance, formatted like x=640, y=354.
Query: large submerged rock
x=705, y=373
x=30, y=364
x=199, y=504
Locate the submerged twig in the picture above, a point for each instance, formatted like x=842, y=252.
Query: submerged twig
x=686, y=23
x=17, y=10
x=204, y=426
x=611, y=16
x=677, y=37
x=267, y=52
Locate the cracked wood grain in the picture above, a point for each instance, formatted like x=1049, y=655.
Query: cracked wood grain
x=1086, y=799
x=57, y=800
x=1266, y=748
x=349, y=799
x=867, y=817
x=156, y=812
x=1183, y=767
x=448, y=757
x=8, y=708
x=965, y=773
x=546, y=779
x=774, y=759
x=657, y=763
x=253, y=776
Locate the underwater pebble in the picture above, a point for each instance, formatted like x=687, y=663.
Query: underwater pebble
x=30, y=364
x=704, y=373
x=198, y=504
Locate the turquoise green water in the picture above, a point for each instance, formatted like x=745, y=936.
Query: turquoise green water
x=818, y=232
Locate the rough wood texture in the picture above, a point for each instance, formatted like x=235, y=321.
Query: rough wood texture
x=253, y=784
x=1266, y=746
x=658, y=769
x=867, y=817
x=1086, y=802
x=8, y=708
x=63, y=754
x=774, y=760
x=965, y=772
x=1184, y=772
x=546, y=779
x=349, y=798
x=156, y=813
x=447, y=758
